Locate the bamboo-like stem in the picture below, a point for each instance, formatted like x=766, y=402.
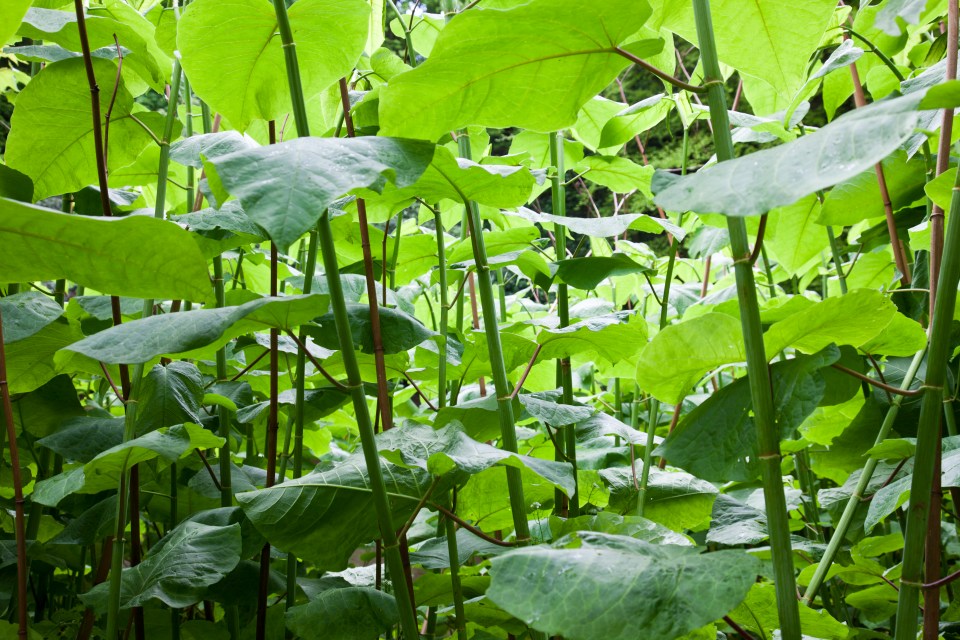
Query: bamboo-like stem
x=837, y=261
x=943, y=152
x=928, y=431
x=19, y=523
x=508, y=433
x=757, y=368
x=391, y=549
x=652, y=418
x=559, y=201
x=131, y=397
x=931, y=595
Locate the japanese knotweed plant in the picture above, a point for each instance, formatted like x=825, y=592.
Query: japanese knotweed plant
x=508, y=319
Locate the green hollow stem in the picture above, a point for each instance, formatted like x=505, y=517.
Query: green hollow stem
x=391, y=548
x=508, y=433
x=652, y=419
x=391, y=545
x=855, y=501
x=837, y=260
x=928, y=430
x=559, y=200
x=130, y=413
x=19, y=526
x=757, y=367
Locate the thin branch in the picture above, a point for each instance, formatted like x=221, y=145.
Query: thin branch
x=526, y=372
x=663, y=75
x=759, y=244
x=113, y=100
x=419, y=392
x=313, y=361
x=213, y=476
x=249, y=366
x=877, y=383
x=106, y=375
x=423, y=501
x=472, y=529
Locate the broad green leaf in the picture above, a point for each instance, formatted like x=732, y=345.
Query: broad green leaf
x=114, y=19
x=603, y=227
x=859, y=197
x=724, y=420
x=794, y=236
x=852, y=319
x=11, y=13
x=496, y=243
x=665, y=590
x=433, y=554
x=547, y=408
x=83, y=439
x=173, y=333
x=758, y=614
x=91, y=526
x=459, y=179
x=285, y=187
x=537, y=146
x=756, y=183
x=734, y=523
x=399, y=331
x=349, y=613
x=632, y=526
x=324, y=516
x=178, y=570
x=692, y=348
x=634, y=120
x=547, y=79
x=40, y=244
x=617, y=174
x=614, y=337
x=675, y=499
x=51, y=131
x=233, y=56
x=443, y=450
x=893, y=10
x=43, y=411
x=31, y=362
x=169, y=395
x=902, y=337
x=194, y=150
x=765, y=39
x=425, y=27
x=103, y=472
x=24, y=314
x=586, y=273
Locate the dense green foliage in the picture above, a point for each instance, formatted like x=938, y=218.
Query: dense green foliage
x=623, y=319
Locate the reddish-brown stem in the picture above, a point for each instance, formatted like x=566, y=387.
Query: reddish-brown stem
x=877, y=383
x=943, y=151
x=677, y=82
x=272, y=429
x=899, y=255
x=706, y=277
x=113, y=100
x=103, y=568
x=383, y=393
x=758, y=246
x=19, y=525
x=740, y=630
